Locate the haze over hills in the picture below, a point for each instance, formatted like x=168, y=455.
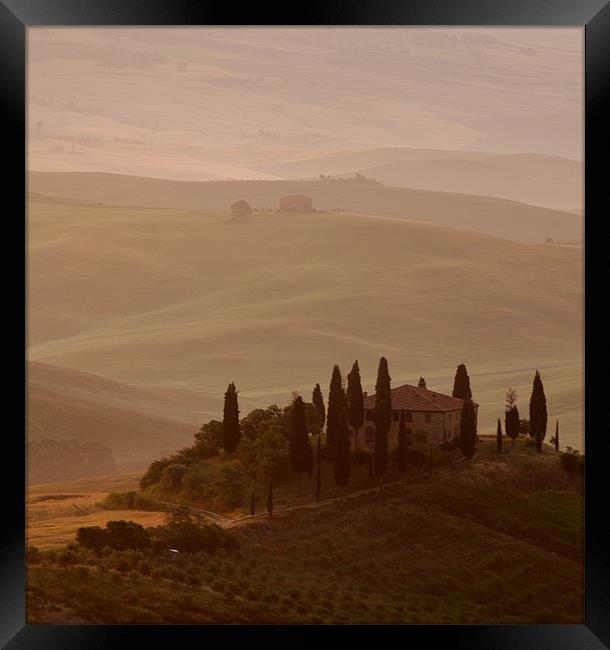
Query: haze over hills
x=548, y=181
x=190, y=300
x=217, y=103
x=138, y=144
x=138, y=424
x=498, y=217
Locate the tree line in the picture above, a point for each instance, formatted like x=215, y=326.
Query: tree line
x=263, y=455
x=268, y=443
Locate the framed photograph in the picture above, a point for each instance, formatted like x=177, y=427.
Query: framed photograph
x=304, y=323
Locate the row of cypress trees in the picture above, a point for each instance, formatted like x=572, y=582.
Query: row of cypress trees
x=345, y=410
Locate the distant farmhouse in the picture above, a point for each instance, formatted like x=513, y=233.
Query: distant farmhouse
x=296, y=203
x=425, y=410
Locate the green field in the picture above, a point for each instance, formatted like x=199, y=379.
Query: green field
x=499, y=540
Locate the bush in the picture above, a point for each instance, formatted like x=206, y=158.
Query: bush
x=128, y=501
x=153, y=473
x=208, y=440
x=361, y=457
x=197, y=477
x=417, y=457
x=572, y=461
x=181, y=533
x=118, y=535
x=327, y=452
x=231, y=486
x=127, y=535
x=33, y=555
x=172, y=475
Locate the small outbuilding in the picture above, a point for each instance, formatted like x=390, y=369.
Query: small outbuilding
x=296, y=203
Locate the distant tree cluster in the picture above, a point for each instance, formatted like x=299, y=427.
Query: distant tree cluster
x=267, y=444
x=536, y=426
x=180, y=533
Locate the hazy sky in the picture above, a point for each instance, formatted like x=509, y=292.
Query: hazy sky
x=197, y=103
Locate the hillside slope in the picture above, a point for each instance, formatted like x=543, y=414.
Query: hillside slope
x=137, y=424
x=498, y=541
x=548, y=181
x=493, y=216
x=189, y=300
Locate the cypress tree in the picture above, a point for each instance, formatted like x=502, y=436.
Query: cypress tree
x=402, y=445
x=318, y=402
x=538, y=413
x=336, y=398
x=461, y=383
x=556, y=435
x=342, y=448
x=468, y=430
x=499, y=437
x=298, y=444
x=318, y=476
x=355, y=401
x=512, y=423
x=231, y=432
x=383, y=418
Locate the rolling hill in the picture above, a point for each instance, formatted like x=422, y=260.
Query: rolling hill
x=547, y=181
x=137, y=424
x=492, y=216
x=188, y=299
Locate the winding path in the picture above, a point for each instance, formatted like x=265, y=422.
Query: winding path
x=229, y=522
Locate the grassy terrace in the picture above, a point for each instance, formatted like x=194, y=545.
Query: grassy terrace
x=496, y=541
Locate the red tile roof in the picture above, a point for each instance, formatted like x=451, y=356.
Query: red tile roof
x=413, y=398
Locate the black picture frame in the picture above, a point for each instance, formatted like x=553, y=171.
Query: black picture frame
x=16, y=16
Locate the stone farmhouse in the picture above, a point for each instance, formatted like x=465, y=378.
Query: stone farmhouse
x=296, y=203
x=425, y=410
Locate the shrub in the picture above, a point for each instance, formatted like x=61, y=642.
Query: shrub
x=33, y=555
x=92, y=537
x=153, y=473
x=118, y=535
x=361, y=457
x=188, y=537
x=172, y=475
x=66, y=558
x=416, y=457
x=572, y=461
x=231, y=486
x=127, y=535
x=197, y=477
x=128, y=501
